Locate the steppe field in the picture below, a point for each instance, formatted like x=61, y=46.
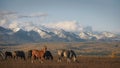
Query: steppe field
x=89, y=55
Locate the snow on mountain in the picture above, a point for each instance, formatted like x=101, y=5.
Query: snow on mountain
x=14, y=26
x=84, y=35
x=70, y=26
x=60, y=33
x=108, y=34
x=98, y=35
x=30, y=32
x=42, y=33
x=16, y=29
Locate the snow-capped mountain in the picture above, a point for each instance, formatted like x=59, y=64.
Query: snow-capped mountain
x=85, y=35
x=97, y=36
x=42, y=33
x=39, y=34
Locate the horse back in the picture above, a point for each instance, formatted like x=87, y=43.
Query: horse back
x=37, y=53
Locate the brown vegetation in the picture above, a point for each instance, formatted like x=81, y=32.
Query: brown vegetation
x=84, y=62
x=89, y=55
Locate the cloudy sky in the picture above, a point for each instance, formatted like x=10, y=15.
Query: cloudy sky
x=101, y=15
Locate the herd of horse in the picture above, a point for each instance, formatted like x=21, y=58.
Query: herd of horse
x=40, y=55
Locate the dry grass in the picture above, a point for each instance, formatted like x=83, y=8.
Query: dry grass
x=84, y=62
x=90, y=55
x=81, y=48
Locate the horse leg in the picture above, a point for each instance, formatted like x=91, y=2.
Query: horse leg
x=32, y=58
x=5, y=56
x=59, y=59
x=11, y=56
x=24, y=57
x=51, y=57
x=74, y=59
x=68, y=60
x=41, y=59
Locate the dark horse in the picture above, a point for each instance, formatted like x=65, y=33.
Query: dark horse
x=29, y=54
x=20, y=54
x=8, y=54
x=69, y=54
x=48, y=55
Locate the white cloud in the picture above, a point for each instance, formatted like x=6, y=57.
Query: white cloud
x=33, y=15
x=12, y=19
x=2, y=22
x=3, y=13
x=28, y=26
x=71, y=26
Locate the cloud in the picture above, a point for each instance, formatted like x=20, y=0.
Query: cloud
x=14, y=20
x=8, y=17
x=2, y=22
x=3, y=13
x=10, y=14
x=71, y=26
x=28, y=26
x=34, y=15
x=88, y=29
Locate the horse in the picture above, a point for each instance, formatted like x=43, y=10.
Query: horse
x=38, y=54
x=2, y=55
x=8, y=54
x=68, y=54
x=48, y=55
x=20, y=54
x=29, y=54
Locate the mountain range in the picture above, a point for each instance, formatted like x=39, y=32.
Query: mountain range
x=18, y=35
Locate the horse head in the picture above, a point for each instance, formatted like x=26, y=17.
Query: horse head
x=44, y=49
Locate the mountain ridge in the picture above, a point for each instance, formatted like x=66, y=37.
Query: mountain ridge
x=40, y=35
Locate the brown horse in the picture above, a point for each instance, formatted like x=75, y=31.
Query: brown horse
x=39, y=54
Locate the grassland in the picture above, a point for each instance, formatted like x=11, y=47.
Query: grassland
x=89, y=55
x=84, y=62
x=81, y=48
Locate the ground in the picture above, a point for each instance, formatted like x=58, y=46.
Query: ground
x=83, y=62
x=89, y=55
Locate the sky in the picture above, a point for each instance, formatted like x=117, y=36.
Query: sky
x=101, y=15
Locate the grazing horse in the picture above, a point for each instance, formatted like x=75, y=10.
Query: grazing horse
x=48, y=55
x=2, y=55
x=38, y=54
x=20, y=54
x=69, y=54
x=29, y=54
x=8, y=54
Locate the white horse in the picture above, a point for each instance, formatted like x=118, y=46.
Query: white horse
x=2, y=55
x=68, y=54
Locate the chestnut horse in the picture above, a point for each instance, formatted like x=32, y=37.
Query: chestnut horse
x=38, y=54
